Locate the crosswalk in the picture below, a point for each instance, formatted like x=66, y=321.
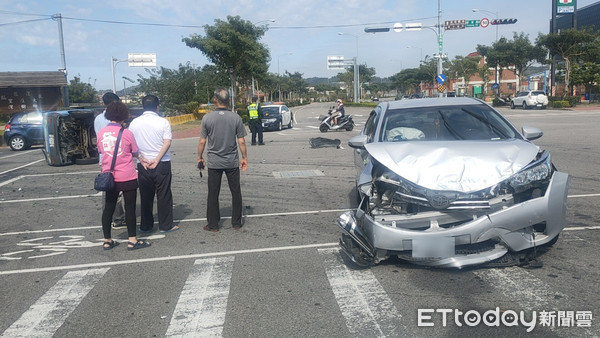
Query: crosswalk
x=201, y=308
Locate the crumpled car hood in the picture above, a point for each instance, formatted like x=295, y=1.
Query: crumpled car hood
x=463, y=166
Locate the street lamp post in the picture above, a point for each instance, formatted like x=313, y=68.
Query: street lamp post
x=357, y=91
x=278, y=84
x=495, y=14
x=114, y=62
x=421, y=49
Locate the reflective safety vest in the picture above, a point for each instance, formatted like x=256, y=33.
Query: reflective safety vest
x=253, y=111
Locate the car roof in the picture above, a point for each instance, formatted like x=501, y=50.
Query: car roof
x=273, y=105
x=431, y=102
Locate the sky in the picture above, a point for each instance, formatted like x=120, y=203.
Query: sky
x=301, y=34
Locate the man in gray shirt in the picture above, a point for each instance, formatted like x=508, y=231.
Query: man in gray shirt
x=222, y=133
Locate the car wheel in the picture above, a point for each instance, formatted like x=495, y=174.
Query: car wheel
x=512, y=105
x=524, y=105
x=91, y=160
x=17, y=143
x=323, y=128
x=291, y=124
x=279, y=126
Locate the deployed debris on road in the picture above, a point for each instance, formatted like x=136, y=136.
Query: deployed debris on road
x=321, y=142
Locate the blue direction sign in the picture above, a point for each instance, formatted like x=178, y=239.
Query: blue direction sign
x=441, y=78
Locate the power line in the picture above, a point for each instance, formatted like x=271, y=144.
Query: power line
x=197, y=26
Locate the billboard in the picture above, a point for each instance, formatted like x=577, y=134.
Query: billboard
x=565, y=6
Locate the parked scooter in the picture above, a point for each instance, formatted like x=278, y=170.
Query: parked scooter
x=344, y=122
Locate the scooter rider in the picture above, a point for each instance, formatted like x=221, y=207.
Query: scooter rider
x=338, y=112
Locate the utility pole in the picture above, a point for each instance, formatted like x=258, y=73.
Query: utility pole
x=58, y=18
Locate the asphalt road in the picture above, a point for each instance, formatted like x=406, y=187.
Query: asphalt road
x=281, y=275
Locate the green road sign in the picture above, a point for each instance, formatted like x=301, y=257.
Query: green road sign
x=472, y=23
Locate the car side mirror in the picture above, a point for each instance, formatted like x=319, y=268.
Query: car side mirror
x=531, y=133
x=358, y=141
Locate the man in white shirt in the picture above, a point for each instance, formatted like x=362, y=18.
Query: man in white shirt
x=153, y=136
x=100, y=122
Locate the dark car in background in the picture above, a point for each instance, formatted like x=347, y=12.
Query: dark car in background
x=69, y=137
x=275, y=116
x=24, y=130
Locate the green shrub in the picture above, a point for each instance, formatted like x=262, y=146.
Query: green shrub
x=561, y=104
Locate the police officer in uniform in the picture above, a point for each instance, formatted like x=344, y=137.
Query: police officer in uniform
x=255, y=122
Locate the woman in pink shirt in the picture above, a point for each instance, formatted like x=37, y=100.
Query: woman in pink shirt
x=124, y=173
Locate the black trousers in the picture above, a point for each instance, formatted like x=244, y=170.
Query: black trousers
x=213, y=213
x=156, y=182
x=256, y=129
x=129, y=190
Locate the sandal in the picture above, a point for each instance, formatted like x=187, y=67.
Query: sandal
x=138, y=245
x=110, y=245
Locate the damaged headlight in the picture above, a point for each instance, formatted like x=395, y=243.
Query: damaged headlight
x=537, y=172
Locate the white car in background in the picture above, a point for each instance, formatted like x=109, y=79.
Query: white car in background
x=530, y=99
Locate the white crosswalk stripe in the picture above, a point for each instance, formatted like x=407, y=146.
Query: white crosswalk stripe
x=200, y=311
x=51, y=310
x=368, y=311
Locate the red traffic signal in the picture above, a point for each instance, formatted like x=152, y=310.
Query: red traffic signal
x=503, y=21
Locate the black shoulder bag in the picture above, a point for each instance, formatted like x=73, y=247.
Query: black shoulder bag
x=106, y=181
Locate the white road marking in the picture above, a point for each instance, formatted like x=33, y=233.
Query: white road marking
x=42, y=175
x=169, y=258
x=51, y=310
x=19, y=153
x=368, y=310
x=200, y=310
x=21, y=167
x=524, y=288
x=14, y=233
x=99, y=194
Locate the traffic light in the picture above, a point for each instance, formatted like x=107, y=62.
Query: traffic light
x=503, y=21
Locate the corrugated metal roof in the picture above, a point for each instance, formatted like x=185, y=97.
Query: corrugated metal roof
x=32, y=79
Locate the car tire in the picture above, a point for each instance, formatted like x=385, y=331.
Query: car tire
x=323, y=128
x=17, y=143
x=90, y=160
x=291, y=124
x=524, y=105
x=512, y=105
x=279, y=126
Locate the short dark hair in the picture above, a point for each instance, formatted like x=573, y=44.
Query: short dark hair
x=109, y=97
x=222, y=95
x=116, y=111
x=150, y=102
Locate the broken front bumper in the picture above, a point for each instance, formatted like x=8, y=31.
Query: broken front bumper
x=510, y=228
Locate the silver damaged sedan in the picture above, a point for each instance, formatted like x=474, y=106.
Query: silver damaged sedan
x=449, y=182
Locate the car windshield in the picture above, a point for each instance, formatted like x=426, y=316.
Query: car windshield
x=445, y=123
x=270, y=111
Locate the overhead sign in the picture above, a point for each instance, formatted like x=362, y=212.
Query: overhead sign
x=565, y=7
x=472, y=23
x=413, y=26
x=454, y=24
x=335, y=62
x=141, y=59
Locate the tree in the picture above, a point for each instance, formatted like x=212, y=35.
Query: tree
x=522, y=54
x=464, y=67
x=233, y=47
x=365, y=74
x=81, y=92
x=569, y=45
